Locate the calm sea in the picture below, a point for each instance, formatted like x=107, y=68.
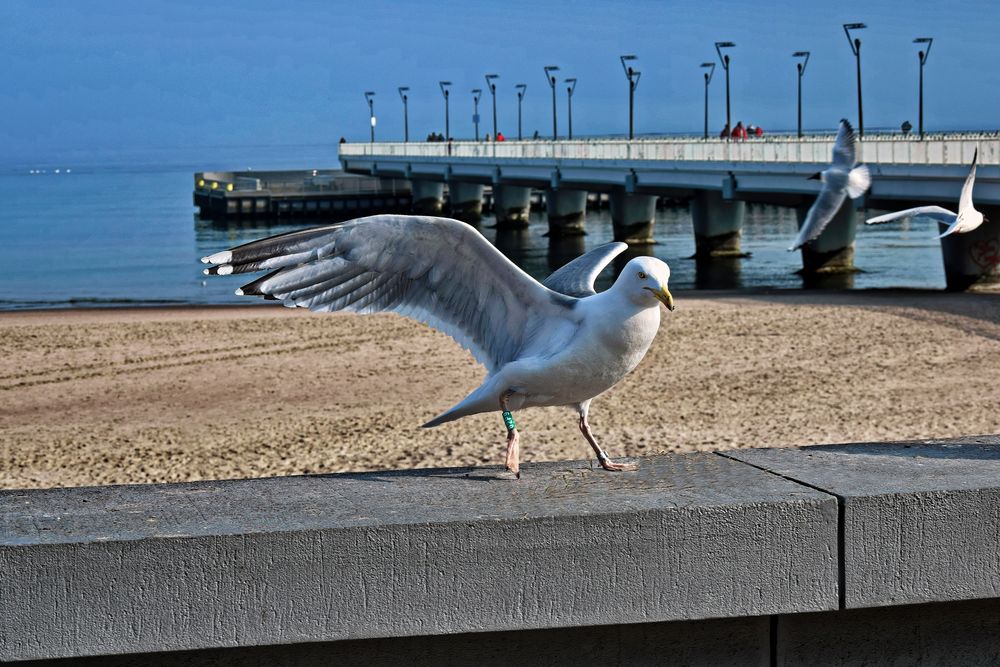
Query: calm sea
x=122, y=230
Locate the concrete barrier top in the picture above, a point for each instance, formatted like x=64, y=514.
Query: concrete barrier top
x=132, y=569
x=392, y=498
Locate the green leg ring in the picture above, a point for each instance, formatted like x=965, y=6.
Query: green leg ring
x=508, y=420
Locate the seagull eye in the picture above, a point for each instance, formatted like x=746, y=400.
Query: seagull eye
x=642, y=276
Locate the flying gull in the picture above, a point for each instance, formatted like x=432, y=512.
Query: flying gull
x=840, y=180
x=967, y=218
x=558, y=343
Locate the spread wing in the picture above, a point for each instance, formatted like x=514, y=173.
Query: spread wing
x=965, y=201
x=820, y=214
x=932, y=212
x=845, y=147
x=435, y=270
x=577, y=277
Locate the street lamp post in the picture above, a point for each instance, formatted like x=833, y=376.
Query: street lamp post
x=521, y=89
x=493, y=91
x=856, y=49
x=570, y=89
x=801, y=66
x=923, y=60
x=708, y=80
x=444, y=91
x=476, y=94
x=551, y=80
x=633, y=82
x=370, y=98
x=406, y=112
x=725, y=65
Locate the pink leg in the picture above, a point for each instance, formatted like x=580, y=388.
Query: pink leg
x=512, y=462
x=602, y=456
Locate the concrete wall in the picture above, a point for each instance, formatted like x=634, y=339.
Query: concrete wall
x=742, y=557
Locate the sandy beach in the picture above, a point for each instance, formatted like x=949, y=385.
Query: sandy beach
x=174, y=394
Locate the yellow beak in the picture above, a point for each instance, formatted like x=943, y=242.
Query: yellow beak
x=663, y=295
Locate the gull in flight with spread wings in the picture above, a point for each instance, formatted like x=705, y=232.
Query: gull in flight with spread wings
x=557, y=343
x=967, y=218
x=840, y=180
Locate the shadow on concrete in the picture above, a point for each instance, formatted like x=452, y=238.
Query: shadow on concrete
x=952, y=448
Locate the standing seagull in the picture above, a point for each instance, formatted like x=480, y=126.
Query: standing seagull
x=557, y=343
x=840, y=180
x=967, y=218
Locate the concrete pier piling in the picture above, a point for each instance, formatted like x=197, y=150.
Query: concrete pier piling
x=566, y=211
x=972, y=260
x=633, y=216
x=466, y=201
x=512, y=205
x=428, y=197
x=833, y=251
x=718, y=225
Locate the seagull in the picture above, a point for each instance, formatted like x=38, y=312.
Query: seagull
x=840, y=180
x=557, y=343
x=967, y=219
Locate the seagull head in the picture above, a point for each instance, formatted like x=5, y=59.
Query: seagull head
x=644, y=280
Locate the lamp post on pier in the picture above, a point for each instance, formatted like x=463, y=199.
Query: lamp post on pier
x=708, y=80
x=856, y=50
x=551, y=80
x=633, y=82
x=923, y=60
x=476, y=94
x=444, y=91
x=370, y=98
x=406, y=112
x=493, y=91
x=801, y=67
x=521, y=88
x=569, y=104
x=724, y=59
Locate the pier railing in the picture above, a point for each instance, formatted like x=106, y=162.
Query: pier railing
x=946, y=149
x=845, y=554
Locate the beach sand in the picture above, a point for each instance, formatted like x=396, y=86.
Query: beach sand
x=175, y=394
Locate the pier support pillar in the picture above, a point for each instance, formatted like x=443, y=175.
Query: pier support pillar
x=633, y=216
x=566, y=211
x=718, y=225
x=428, y=197
x=833, y=251
x=511, y=206
x=972, y=260
x=466, y=201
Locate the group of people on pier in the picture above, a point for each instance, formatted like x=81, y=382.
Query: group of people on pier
x=741, y=132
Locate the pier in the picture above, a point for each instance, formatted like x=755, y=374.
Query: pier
x=327, y=194
x=716, y=177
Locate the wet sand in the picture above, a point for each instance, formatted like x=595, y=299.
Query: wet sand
x=175, y=394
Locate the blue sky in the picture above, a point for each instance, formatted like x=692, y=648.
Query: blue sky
x=99, y=76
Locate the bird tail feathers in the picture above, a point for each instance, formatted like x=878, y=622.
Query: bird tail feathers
x=858, y=181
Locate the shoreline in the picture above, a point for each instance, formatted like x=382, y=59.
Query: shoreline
x=166, y=394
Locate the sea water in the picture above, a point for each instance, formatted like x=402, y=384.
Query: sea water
x=123, y=231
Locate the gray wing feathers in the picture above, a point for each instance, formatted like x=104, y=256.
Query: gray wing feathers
x=438, y=271
x=577, y=277
x=844, y=148
x=965, y=200
x=932, y=212
x=820, y=214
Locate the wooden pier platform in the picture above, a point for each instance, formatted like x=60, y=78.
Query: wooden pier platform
x=311, y=193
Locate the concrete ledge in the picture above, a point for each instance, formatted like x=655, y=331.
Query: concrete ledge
x=775, y=553
x=141, y=569
x=920, y=522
